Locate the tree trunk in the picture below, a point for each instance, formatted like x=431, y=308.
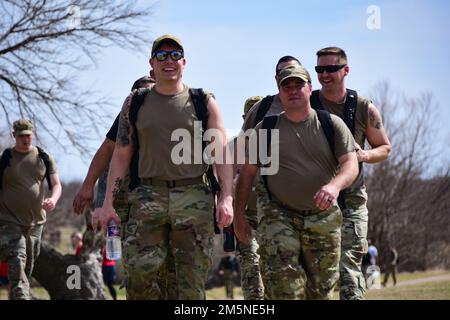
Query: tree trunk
x=70, y=277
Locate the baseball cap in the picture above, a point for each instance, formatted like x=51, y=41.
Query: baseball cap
x=167, y=38
x=250, y=102
x=23, y=127
x=294, y=72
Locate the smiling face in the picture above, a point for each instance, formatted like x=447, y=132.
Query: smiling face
x=334, y=80
x=167, y=71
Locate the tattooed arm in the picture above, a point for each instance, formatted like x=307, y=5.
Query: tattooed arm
x=377, y=138
x=120, y=163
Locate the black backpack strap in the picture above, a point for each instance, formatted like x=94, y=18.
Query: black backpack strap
x=46, y=159
x=351, y=102
x=327, y=127
x=263, y=108
x=198, y=97
x=136, y=102
x=315, y=100
x=4, y=163
x=269, y=124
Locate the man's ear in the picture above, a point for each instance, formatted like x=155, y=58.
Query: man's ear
x=347, y=70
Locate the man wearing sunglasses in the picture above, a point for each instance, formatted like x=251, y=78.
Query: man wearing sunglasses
x=365, y=122
x=171, y=206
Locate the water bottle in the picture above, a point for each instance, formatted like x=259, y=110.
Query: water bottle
x=113, y=243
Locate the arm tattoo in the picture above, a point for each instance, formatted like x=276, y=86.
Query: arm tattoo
x=124, y=132
x=117, y=185
x=375, y=120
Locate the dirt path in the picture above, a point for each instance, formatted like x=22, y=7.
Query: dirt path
x=444, y=277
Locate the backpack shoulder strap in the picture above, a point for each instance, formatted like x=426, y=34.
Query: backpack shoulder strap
x=315, y=100
x=327, y=127
x=136, y=102
x=351, y=102
x=263, y=108
x=4, y=163
x=198, y=97
x=269, y=124
x=46, y=159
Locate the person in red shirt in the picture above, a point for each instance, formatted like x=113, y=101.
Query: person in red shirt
x=77, y=242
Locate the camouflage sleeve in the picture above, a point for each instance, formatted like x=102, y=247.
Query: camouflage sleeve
x=124, y=132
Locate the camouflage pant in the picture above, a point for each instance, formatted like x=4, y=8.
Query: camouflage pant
x=299, y=247
x=248, y=258
x=19, y=247
x=353, y=248
x=166, y=276
x=164, y=221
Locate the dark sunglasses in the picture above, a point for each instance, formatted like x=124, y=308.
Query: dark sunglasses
x=161, y=55
x=330, y=68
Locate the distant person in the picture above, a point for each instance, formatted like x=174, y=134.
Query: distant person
x=391, y=266
x=77, y=242
x=24, y=205
x=228, y=268
x=373, y=252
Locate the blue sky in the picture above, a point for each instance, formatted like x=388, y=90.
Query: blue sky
x=232, y=47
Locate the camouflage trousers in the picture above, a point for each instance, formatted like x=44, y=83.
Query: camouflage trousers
x=248, y=258
x=353, y=248
x=166, y=276
x=19, y=247
x=300, y=251
x=165, y=224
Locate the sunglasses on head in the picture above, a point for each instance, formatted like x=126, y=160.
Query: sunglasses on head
x=330, y=68
x=161, y=55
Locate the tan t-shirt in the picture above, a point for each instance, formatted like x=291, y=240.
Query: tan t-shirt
x=356, y=193
x=250, y=123
x=158, y=118
x=23, y=189
x=306, y=162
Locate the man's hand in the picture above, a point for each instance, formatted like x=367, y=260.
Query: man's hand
x=242, y=229
x=102, y=216
x=49, y=204
x=83, y=199
x=224, y=212
x=326, y=196
x=361, y=154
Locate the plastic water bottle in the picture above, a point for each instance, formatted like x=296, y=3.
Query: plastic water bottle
x=113, y=243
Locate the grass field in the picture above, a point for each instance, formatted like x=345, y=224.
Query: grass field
x=411, y=286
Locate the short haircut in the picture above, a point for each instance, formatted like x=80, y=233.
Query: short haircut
x=333, y=51
x=285, y=59
x=139, y=83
